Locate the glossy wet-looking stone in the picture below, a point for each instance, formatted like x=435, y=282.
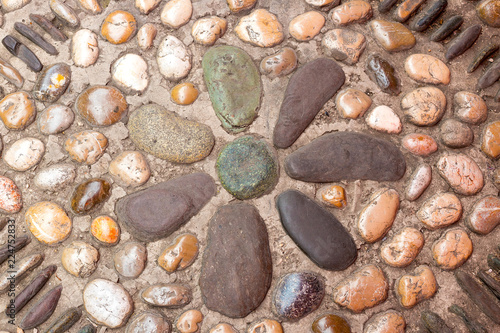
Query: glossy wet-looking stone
x=179, y=255
x=415, y=287
x=330, y=323
x=101, y=105
x=130, y=260
x=48, y=222
x=90, y=195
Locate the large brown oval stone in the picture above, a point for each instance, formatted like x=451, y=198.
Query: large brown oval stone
x=424, y=106
x=452, y=249
x=461, y=173
x=440, y=211
x=101, y=105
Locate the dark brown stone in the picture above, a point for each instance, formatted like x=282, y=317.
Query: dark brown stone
x=383, y=74
x=89, y=195
x=35, y=37
x=463, y=42
x=18, y=49
x=455, y=134
x=48, y=27
x=429, y=15
x=447, y=28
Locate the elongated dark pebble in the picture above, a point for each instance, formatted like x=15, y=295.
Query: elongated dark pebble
x=481, y=56
x=490, y=76
x=88, y=329
x=386, y=5
x=7, y=249
x=48, y=27
x=429, y=15
x=65, y=321
x=472, y=325
x=446, y=29
x=463, y=42
x=35, y=37
x=494, y=262
x=434, y=323
x=383, y=74
x=3, y=222
x=497, y=96
x=491, y=282
x=21, y=51
x=42, y=310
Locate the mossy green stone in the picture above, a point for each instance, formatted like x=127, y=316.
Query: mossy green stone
x=247, y=167
x=234, y=86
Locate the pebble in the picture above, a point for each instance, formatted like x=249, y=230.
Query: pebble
x=55, y=119
x=428, y=16
x=455, y=134
x=146, y=6
x=84, y=48
x=173, y=58
x=383, y=74
x=344, y=45
x=179, y=255
x=223, y=328
x=80, y=259
x=107, y=303
x=167, y=295
x=52, y=82
x=279, y=64
x=419, y=144
x=298, y=294
x=306, y=26
x=260, y=28
x=419, y=181
x=402, y=248
x=330, y=323
x=352, y=103
x=17, y=110
x=355, y=11
x=463, y=42
x=118, y=27
x=470, y=108
x=461, y=173
x=245, y=259
x=406, y=9
x=166, y=135
x=237, y=6
x=176, y=13
x=10, y=73
x=452, y=249
x=265, y=325
x=434, y=323
x=364, y=288
x=184, y=93
x=149, y=322
x=90, y=194
x=332, y=196
x=24, y=154
x=190, y=322
x=18, y=49
x=55, y=177
x=101, y=105
x=206, y=31
x=427, y=69
x=316, y=231
x=64, y=13
x=440, y=211
x=35, y=38
x=485, y=215
x=489, y=76
x=130, y=168
x=307, y=92
x=12, y=5
x=130, y=73
x=130, y=260
x=86, y=147
x=424, y=106
x=91, y=6
x=382, y=118
x=146, y=36
x=369, y=158
x=447, y=28
x=48, y=27
x=487, y=10
x=386, y=5
x=19, y=270
x=10, y=196
x=48, y=222
x=234, y=86
x=105, y=230
x=392, y=36
x=170, y=205
x=390, y=321
x=415, y=287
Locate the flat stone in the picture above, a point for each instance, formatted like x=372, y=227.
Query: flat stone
x=130, y=260
x=17, y=110
x=344, y=45
x=382, y=118
x=176, y=13
x=419, y=181
x=260, y=28
x=89, y=195
x=355, y=11
x=470, y=108
x=332, y=196
x=330, y=323
x=316, y=231
x=447, y=28
x=107, y=303
x=279, y=64
x=184, y=93
x=234, y=86
x=12, y=5
x=265, y=325
x=245, y=260
x=10, y=73
x=35, y=38
x=119, y=27
x=427, y=69
x=167, y=295
x=352, y=103
x=18, y=49
x=48, y=222
x=84, y=48
x=166, y=135
x=346, y=156
x=223, y=328
x=440, y=211
x=80, y=259
x=364, y=288
x=52, y=82
x=50, y=28
x=424, y=106
x=64, y=13
x=461, y=173
x=463, y=42
x=428, y=15
x=105, y=230
x=385, y=322
x=452, y=249
x=91, y=6
x=55, y=177
x=406, y=9
x=189, y=322
x=55, y=119
x=415, y=287
x=237, y=6
x=101, y=105
x=130, y=73
x=10, y=196
x=485, y=215
x=146, y=6
x=130, y=168
x=206, y=31
x=419, y=144
x=392, y=36
x=169, y=205
x=455, y=134
x=173, y=58
x=488, y=12
x=490, y=142
x=308, y=90
x=180, y=254
x=383, y=74
x=402, y=248
x=146, y=36
x=86, y=147
x=306, y=26
x=149, y=322
x=24, y=154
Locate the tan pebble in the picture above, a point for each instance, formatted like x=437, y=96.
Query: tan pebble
x=389, y=321
x=206, y=31
x=415, y=287
x=352, y=103
x=130, y=260
x=461, y=173
x=223, y=328
x=240, y=5
x=427, y=69
x=419, y=181
x=10, y=196
x=344, y=45
x=80, y=259
x=55, y=177
x=266, y=325
x=176, y=13
x=384, y=119
x=363, y=289
x=24, y=154
x=190, y=322
x=118, y=27
x=179, y=255
x=485, y=215
x=84, y=48
x=440, y=210
x=452, y=249
x=146, y=6
x=392, y=36
x=17, y=110
x=146, y=35
x=48, y=222
x=403, y=248
x=332, y=195
x=12, y=5
x=323, y=4
x=424, y=106
x=105, y=230
x=9, y=72
x=490, y=142
x=55, y=119
x=91, y=6
x=86, y=147
x=306, y=26
x=470, y=108
x=406, y=9
x=279, y=64
x=64, y=13
x=260, y=28
x=130, y=168
x=353, y=11
x=184, y=93
x=130, y=73
x=420, y=144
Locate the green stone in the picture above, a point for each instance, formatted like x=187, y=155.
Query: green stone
x=247, y=167
x=234, y=86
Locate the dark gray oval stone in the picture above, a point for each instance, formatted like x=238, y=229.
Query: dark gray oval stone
x=308, y=90
x=52, y=82
x=317, y=232
x=346, y=156
x=159, y=210
x=236, y=271
x=455, y=134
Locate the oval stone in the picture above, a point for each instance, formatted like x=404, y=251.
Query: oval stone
x=419, y=144
x=447, y=28
x=130, y=260
x=260, y=28
x=223, y=328
x=184, y=93
x=101, y=105
x=237, y=6
x=332, y=195
x=86, y=147
x=207, y=31
x=488, y=12
x=352, y=103
x=424, y=106
x=80, y=259
x=470, y=108
x=428, y=15
x=55, y=119
x=9, y=72
x=105, y=230
x=10, y=196
x=91, y=6
x=90, y=195
x=24, y=154
x=130, y=168
x=265, y=325
x=12, y=5
x=176, y=13
x=173, y=58
x=485, y=215
x=279, y=64
x=84, y=48
x=344, y=45
x=419, y=181
x=148, y=322
x=455, y=134
x=190, y=321
x=306, y=26
x=48, y=222
x=146, y=35
x=383, y=74
x=179, y=255
x=52, y=82
x=402, y=248
x=146, y=6
x=55, y=177
x=119, y=27
x=461, y=173
x=64, y=13
x=386, y=322
x=167, y=295
x=427, y=69
x=330, y=323
x=392, y=36
x=17, y=110
x=490, y=142
x=130, y=73
x=355, y=11
x=382, y=118
x=245, y=260
x=415, y=287
x=316, y=231
x=463, y=42
x=439, y=211
x=452, y=249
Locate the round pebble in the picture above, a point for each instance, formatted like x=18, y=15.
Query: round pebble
x=419, y=144
x=24, y=154
x=470, y=108
x=440, y=210
x=415, y=287
x=130, y=73
x=352, y=103
x=101, y=105
x=456, y=134
x=279, y=64
x=427, y=69
x=190, y=322
x=419, y=181
x=173, y=58
x=130, y=260
x=207, y=31
x=330, y=323
x=384, y=119
x=306, y=26
x=90, y=195
x=55, y=177
x=48, y=222
x=223, y=328
x=176, y=13
x=80, y=259
x=84, y=48
x=105, y=230
x=490, y=142
x=148, y=322
x=260, y=28
x=485, y=215
x=403, y=248
x=184, y=93
x=10, y=196
x=17, y=110
x=179, y=255
x=452, y=249
x=332, y=195
x=55, y=119
x=119, y=27
x=86, y=147
x=461, y=172
x=266, y=325
x=386, y=322
x=130, y=168
x=146, y=35
x=424, y=106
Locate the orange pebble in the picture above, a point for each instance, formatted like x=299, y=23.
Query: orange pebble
x=105, y=230
x=184, y=93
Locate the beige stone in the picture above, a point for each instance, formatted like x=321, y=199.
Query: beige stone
x=402, y=248
x=119, y=27
x=385, y=322
x=419, y=181
x=48, y=222
x=415, y=287
x=84, y=48
x=86, y=147
x=306, y=26
x=352, y=103
x=427, y=69
x=470, y=108
x=452, y=249
x=384, y=119
x=440, y=210
x=237, y=6
x=130, y=168
x=260, y=28
x=206, y=31
x=176, y=13
x=24, y=154
x=344, y=45
x=146, y=6
x=461, y=173
x=17, y=110
x=355, y=11
x=130, y=73
x=424, y=106
x=419, y=144
x=91, y=6
x=80, y=259
x=392, y=36
x=223, y=328
x=146, y=36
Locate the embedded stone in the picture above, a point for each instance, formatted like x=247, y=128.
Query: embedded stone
x=190, y=322
x=10, y=196
x=24, y=154
x=355, y=11
x=260, y=28
x=21, y=51
x=419, y=181
x=84, y=48
x=279, y=64
x=148, y=322
x=389, y=321
x=17, y=110
x=176, y=13
x=455, y=134
x=382, y=118
x=332, y=195
x=167, y=295
x=424, y=106
x=105, y=230
x=452, y=249
x=80, y=259
x=146, y=6
x=488, y=11
x=429, y=15
x=383, y=74
x=179, y=255
x=415, y=287
x=52, y=82
x=119, y=27
x=130, y=260
x=206, y=31
x=64, y=13
x=223, y=328
x=461, y=173
x=489, y=76
x=265, y=325
x=91, y=6
x=101, y=105
x=406, y=9
x=485, y=215
x=237, y=6
x=49, y=27
x=173, y=58
x=130, y=168
x=392, y=36
x=330, y=323
x=146, y=35
x=12, y=5
x=306, y=26
x=89, y=195
x=130, y=73
x=469, y=107
x=55, y=177
x=440, y=211
x=10, y=73
x=419, y=144
x=402, y=248
x=184, y=93
x=490, y=142
x=344, y=45
x=86, y=147
x=55, y=119
x=463, y=42
x=447, y=28
x=352, y=103
x=48, y=222
x=427, y=69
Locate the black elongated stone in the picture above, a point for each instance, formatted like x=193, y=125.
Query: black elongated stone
x=386, y=5
x=463, y=42
x=491, y=282
x=7, y=249
x=434, y=323
x=429, y=15
x=65, y=321
x=447, y=28
x=35, y=37
x=88, y=329
x=494, y=262
x=481, y=56
x=48, y=27
x=490, y=76
x=472, y=325
x=18, y=49
x=42, y=310
x=383, y=74
x=316, y=231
